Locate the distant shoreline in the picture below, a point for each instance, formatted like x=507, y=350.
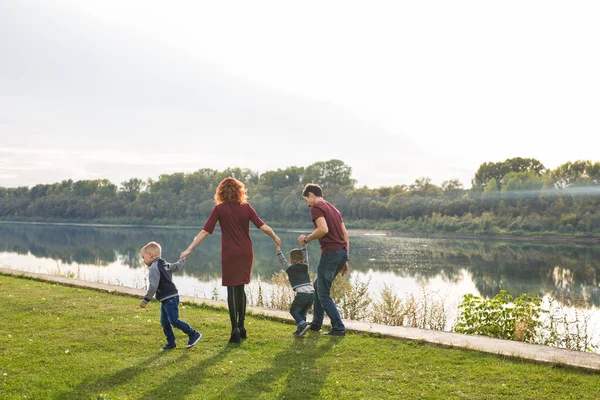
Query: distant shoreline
x=354, y=232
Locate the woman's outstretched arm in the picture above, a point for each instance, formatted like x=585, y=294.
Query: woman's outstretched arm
x=269, y=232
x=197, y=240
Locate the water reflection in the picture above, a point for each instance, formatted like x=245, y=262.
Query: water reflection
x=568, y=272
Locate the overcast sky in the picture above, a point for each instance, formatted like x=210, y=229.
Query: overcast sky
x=397, y=90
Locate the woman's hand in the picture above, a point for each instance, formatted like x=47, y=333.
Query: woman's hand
x=185, y=253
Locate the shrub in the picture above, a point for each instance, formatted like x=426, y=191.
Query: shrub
x=500, y=317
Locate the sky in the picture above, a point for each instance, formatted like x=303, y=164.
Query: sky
x=397, y=90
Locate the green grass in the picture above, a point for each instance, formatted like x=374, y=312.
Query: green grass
x=59, y=342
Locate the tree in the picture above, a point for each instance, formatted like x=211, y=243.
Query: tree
x=328, y=173
x=452, y=186
x=424, y=187
x=131, y=188
x=576, y=173
x=489, y=170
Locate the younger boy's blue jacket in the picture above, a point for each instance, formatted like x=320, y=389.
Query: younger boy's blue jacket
x=160, y=279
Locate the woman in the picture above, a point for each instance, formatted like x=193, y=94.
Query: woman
x=234, y=213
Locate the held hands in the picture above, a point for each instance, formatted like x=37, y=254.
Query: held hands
x=277, y=242
x=185, y=253
x=301, y=240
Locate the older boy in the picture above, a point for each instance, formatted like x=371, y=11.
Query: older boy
x=160, y=283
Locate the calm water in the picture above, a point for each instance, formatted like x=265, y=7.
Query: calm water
x=449, y=268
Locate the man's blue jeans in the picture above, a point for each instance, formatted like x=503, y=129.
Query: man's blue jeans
x=169, y=315
x=330, y=265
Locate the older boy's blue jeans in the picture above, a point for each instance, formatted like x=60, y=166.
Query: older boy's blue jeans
x=300, y=306
x=169, y=315
x=330, y=265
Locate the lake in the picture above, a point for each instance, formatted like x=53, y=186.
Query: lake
x=444, y=267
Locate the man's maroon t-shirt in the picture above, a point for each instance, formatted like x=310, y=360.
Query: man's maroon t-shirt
x=334, y=240
x=236, y=247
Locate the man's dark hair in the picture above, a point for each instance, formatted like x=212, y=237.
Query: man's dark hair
x=312, y=188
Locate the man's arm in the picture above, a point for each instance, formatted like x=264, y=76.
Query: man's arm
x=346, y=238
x=321, y=230
x=346, y=268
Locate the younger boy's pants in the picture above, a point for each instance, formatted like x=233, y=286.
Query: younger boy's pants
x=169, y=315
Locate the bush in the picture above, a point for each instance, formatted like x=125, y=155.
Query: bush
x=500, y=317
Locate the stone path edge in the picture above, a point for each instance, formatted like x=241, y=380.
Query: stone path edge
x=508, y=348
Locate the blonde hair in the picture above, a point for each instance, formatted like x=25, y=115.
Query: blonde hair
x=231, y=191
x=152, y=248
x=296, y=255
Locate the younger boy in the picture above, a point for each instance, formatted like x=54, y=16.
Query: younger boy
x=305, y=294
x=160, y=283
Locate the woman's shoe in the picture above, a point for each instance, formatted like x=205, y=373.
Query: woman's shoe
x=235, y=336
x=242, y=332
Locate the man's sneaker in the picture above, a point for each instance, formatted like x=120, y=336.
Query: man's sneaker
x=314, y=328
x=168, y=346
x=301, y=331
x=193, y=340
x=334, y=332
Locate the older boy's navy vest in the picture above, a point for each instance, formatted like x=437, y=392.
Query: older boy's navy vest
x=298, y=275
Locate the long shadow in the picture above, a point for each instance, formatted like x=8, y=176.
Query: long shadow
x=95, y=386
x=295, y=367
x=186, y=381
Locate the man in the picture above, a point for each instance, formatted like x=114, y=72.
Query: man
x=335, y=245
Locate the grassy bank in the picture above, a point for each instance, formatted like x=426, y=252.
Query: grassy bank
x=59, y=342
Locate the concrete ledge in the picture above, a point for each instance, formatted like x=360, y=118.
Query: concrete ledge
x=508, y=348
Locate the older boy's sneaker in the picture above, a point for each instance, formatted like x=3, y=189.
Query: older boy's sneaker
x=168, y=346
x=301, y=331
x=335, y=332
x=314, y=328
x=194, y=339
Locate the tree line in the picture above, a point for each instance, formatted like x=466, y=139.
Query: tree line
x=517, y=196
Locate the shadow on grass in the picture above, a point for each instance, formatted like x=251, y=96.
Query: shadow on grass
x=185, y=382
x=293, y=374
x=94, y=386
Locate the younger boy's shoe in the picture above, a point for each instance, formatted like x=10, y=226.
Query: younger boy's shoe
x=194, y=339
x=301, y=331
x=335, y=332
x=168, y=346
x=314, y=328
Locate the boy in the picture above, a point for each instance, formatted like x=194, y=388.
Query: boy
x=305, y=294
x=160, y=282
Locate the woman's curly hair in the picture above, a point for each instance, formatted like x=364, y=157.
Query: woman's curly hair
x=231, y=191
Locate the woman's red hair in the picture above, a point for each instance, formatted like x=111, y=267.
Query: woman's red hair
x=231, y=191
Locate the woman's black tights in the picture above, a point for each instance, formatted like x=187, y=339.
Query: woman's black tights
x=236, y=301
